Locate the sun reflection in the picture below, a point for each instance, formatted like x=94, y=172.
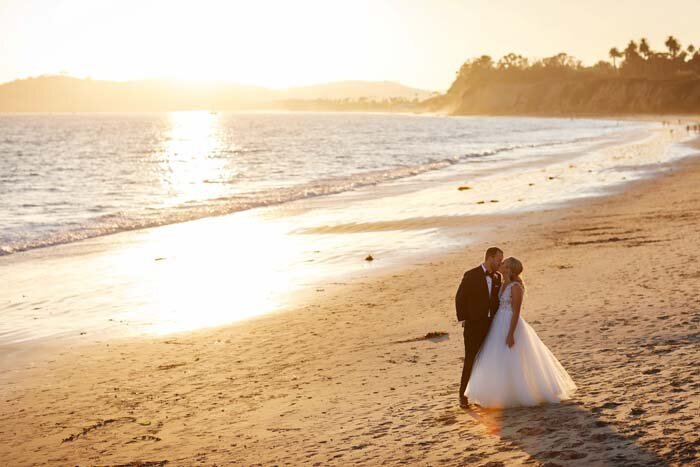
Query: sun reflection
x=215, y=271
x=218, y=270
x=191, y=168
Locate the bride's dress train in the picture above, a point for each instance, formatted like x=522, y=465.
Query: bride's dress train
x=523, y=375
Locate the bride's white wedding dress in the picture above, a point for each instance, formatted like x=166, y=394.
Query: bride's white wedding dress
x=523, y=375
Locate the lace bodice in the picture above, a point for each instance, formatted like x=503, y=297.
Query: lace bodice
x=505, y=298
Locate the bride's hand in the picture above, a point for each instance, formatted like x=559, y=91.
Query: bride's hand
x=510, y=340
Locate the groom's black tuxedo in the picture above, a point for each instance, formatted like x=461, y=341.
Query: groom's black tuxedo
x=476, y=307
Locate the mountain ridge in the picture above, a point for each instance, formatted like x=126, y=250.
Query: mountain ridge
x=59, y=93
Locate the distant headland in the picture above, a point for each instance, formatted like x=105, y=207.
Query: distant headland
x=637, y=79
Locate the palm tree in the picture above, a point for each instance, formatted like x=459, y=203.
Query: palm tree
x=673, y=45
x=631, y=53
x=644, y=48
x=633, y=61
x=615, y=54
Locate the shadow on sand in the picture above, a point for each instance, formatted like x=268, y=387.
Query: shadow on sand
x=565, y=434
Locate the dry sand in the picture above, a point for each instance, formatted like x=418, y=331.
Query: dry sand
x=612, y=290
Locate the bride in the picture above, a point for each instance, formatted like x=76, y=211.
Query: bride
x=514, y=367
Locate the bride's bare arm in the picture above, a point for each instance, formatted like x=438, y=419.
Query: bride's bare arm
x=516, y=294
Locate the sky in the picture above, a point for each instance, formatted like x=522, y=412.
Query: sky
x=281, y=43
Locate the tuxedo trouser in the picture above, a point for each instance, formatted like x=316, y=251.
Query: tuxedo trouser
x=474, y=336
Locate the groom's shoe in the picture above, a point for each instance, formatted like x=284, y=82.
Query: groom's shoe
x=463, y=402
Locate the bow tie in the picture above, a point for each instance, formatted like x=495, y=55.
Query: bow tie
x=489, y=274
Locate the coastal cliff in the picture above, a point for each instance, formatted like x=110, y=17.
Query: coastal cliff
x=596, y=96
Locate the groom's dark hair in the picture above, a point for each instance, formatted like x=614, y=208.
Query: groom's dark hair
x=493, y=251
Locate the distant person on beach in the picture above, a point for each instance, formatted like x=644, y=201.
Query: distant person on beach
x=505, y=364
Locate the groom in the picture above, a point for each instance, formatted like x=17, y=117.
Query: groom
x=477, y=302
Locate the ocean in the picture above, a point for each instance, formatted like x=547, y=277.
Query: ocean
x=67, y=177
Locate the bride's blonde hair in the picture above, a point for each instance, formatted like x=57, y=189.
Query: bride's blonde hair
x=515, y=268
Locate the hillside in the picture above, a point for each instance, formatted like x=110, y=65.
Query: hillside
x=638, y=80
x=565, y=97
x=68, y=94
x=371, y=90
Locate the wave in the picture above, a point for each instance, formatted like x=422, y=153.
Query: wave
x=107, y=224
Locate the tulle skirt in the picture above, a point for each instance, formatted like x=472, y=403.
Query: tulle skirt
x=526, y=374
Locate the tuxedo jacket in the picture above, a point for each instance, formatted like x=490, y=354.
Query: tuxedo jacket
x=473, y=301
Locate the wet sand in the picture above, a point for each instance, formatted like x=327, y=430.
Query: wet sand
x=222, y=269
x=347, y=378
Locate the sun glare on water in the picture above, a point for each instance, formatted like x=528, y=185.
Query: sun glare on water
x=215, y=271
x=190, y=166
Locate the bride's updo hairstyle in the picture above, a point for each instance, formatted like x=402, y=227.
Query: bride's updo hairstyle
x=515, y=268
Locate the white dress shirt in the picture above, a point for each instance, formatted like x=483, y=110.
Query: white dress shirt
x=489, y=281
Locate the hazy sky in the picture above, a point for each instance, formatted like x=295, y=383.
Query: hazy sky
x=292, y=42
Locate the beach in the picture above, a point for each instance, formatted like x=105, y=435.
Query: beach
x=346, y=375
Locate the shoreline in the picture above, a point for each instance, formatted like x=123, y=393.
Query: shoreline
x=368, y=180
x=109, y=293
x=348, y=378
x=475, y=225
x=220, y=211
